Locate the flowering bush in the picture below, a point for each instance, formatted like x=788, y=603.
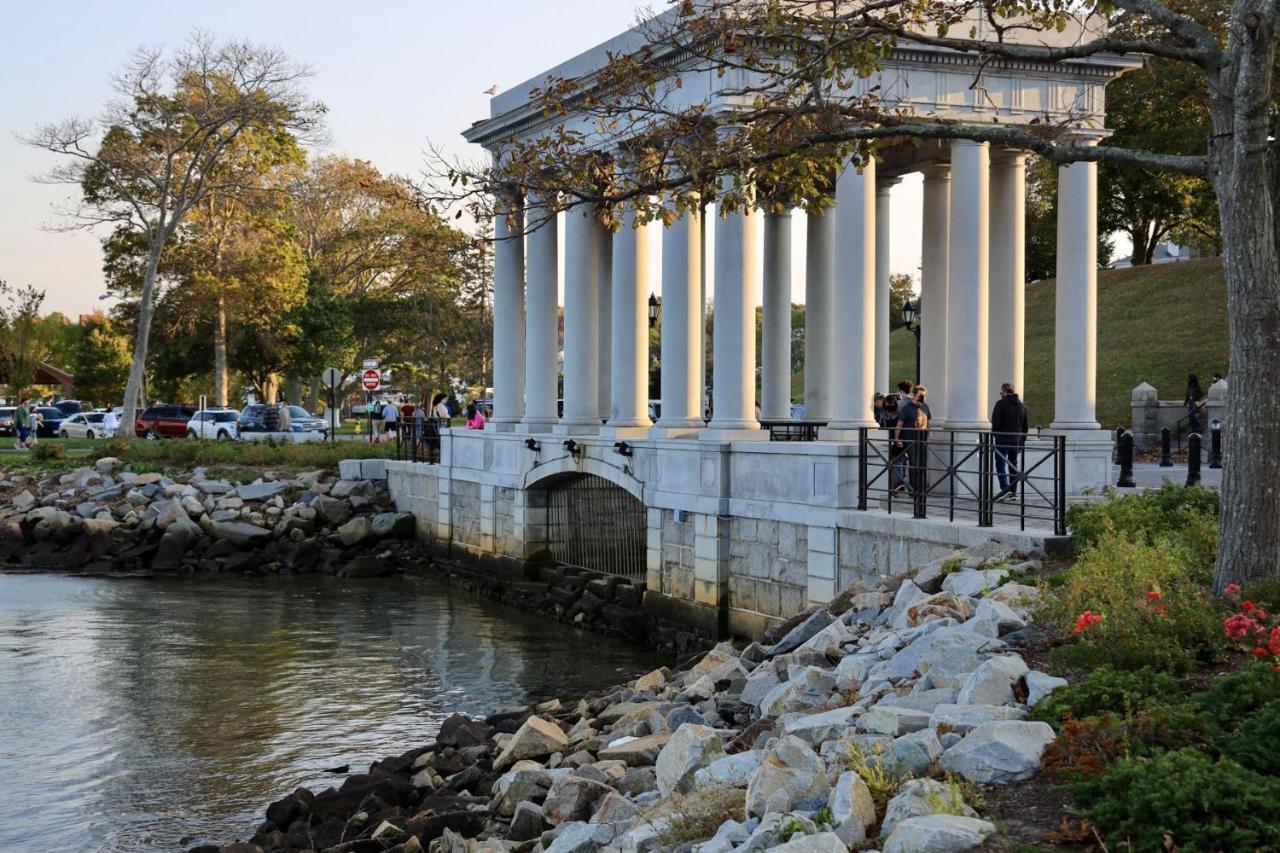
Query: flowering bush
x=1129, y=604
x=1253, y=628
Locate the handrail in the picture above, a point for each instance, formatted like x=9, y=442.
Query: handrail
x=419, y=441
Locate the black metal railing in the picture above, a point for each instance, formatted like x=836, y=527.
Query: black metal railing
x=958, y=474
x=1182, y=428
x=419, y=441
x=791, y=430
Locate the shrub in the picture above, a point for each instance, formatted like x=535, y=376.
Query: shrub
x=48, y=452
x=882, y=776
x=1184, y=516
x=1154, y=610
x=1106, y=689
x=1264, y=592
x=1230, y=700
x=1199, y=803
x=1257, y=744
x=1085, y=748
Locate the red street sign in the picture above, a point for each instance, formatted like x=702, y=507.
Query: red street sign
x=371, y=380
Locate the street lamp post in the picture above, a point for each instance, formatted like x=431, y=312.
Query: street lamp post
x=655, y=309
x=911, y=315
x=655, y=305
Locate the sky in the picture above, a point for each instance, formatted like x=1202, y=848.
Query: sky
x=396, y=76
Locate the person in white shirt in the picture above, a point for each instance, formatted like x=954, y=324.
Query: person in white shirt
x=110, y=423
x=389, y=416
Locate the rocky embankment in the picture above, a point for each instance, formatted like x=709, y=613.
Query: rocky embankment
x=915, y=687
x=107, y=519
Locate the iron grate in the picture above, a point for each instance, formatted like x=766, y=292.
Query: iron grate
x=593, y=524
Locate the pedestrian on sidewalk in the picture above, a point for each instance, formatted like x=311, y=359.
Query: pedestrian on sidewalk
x=440, y=407
x=390, y=417
x=22, y=423
x=1192, y=400
x=1009, y=426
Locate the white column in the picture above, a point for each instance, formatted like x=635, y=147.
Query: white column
x=819, y=313
x=855, y=300
x=1008, y=272
x=775, y=362
x=1076, y=303
x=541, y=373
x=883, y=248
x=681, y=280
x=604, y=371
x=934, y=241
x=508, y=316
x=733, y=342
x=967, y=288
x=583, y=239
x=631, y=285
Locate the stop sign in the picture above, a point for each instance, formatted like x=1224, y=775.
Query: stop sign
x=371, y=380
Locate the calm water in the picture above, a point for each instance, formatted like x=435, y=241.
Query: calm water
x=136, y=714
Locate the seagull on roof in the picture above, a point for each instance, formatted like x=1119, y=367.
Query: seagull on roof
x=492, y=90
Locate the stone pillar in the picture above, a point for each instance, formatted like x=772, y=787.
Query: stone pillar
x=733, y=407
x=855, y=302
x=631, y=285
x=1076, y=305
x=967, y=288
x=775, y=403
x=508, y=317
x=883, y=247
x=604, y=372
x=819, y=313
x=934, y=242
x=541, y=372
x=681, y=280
x=583, y=243
x=1006, y=330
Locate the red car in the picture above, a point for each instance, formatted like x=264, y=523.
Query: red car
x=163, y=420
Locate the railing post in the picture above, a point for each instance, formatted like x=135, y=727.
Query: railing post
x=986, y=513
x=863, y=468
x=1059, y=485
x=1126, y=460
x=1215, y=446
x=1166, y=449
x=1115, y=448
x=1193, y=459
x=918, y=468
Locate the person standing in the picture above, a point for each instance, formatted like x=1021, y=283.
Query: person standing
x=110, y=423
x=22, y=423
x=390, y=417
x=877, y=409
x=440, y=408
x=897, y=452
x=909, y=415
x=1009, y=426
x=475, y=418
x=904, y=392
x=1192, y=401
x=271, y=418
x=286, y=419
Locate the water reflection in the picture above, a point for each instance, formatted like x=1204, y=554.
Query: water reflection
x=133, y=714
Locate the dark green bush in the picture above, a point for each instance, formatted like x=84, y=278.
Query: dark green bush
x=1105, y=689
x=1257, y=744
x=1187, y=517
x=1264, y=592
x=1199, y=803
x=1230, y=700
x=45, y=452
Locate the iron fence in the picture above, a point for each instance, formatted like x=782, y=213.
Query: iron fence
x=960, y=474
x=593, y=524
x=792, y=430
x=419, y=441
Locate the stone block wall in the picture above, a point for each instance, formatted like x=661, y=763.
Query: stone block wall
x=768, y=566
x=465, y=512
x=676, y=566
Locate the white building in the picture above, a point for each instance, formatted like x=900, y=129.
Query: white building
x=728, y=529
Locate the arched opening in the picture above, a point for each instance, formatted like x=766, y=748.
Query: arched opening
x=597, y=525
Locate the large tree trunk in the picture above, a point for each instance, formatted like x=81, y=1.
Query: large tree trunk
x=220, y=372
x=146, y=312
x=313, y=393
x=1246, y=186
x=293, y=389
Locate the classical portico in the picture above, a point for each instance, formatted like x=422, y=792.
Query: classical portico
x=739, y=530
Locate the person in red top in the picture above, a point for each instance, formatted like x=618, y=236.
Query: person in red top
x=475, y=419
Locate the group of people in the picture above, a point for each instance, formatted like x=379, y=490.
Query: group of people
x=906, y=416
x=438, y=413
x=26, y=423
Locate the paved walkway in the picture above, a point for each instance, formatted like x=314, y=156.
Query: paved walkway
x=1149, y=475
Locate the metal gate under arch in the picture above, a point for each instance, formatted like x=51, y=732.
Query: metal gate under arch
x=596, y=525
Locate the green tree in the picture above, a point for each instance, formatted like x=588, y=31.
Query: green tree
x=99, y=359
x=24, y=340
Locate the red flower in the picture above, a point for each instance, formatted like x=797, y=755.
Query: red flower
x=1247, y=606
x=1259, y=652
x=1232, y=590
x=1086, y=619
x=1238, y=626
x=1154, y=595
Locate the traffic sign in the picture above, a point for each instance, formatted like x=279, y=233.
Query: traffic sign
x=371, y=364
x=371, y=380
x=332, y=376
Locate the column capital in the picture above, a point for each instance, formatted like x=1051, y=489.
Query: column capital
x=969, y=143
x=884, y=184
x=1002, y=156
x=936, y=170
x=1084, y=135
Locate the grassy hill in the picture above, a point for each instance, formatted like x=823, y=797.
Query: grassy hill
x=1155, y=324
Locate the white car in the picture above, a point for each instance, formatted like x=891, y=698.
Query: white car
x=85, y=425
x=214, y=424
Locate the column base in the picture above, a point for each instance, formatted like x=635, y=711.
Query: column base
x=840, y=434
x=726, y=434
x=536, y=427
x=625, y=432
x=1063, y=426
x=583, y=426
x=1089, y=467
x=501, y=426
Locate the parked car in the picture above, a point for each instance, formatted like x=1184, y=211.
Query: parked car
x=163, y=420
x=252, y=419
x=214, y=424
x=51, y=419
x=6, y=420
x=86, y=425
x=69, y=407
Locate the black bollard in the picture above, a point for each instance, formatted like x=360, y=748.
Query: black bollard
x=1215, y=446
x=1115, y=448
x=1193, y=459
x=1166, y=448
x=1126, y=462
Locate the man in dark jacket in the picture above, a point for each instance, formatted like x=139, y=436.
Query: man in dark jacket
x=1009, y=424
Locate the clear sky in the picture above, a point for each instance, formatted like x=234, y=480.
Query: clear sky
x=395, y=74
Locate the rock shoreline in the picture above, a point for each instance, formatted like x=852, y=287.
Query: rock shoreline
x=767, y=747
